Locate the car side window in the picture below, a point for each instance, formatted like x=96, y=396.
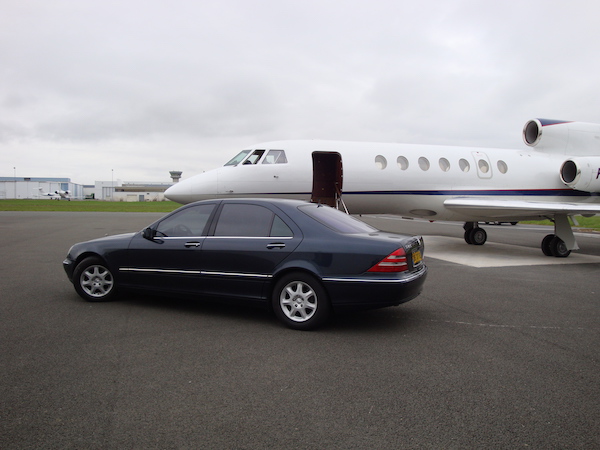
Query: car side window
x=237, y=220
x=187, y=222
x=280, y=229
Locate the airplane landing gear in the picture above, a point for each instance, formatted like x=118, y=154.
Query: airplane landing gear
x=559, y=244
x=552, y=245
x=474, y=235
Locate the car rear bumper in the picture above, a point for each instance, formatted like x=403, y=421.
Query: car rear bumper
x=370, y=292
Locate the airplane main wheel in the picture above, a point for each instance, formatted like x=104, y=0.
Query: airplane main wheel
x=468, y=237
x=559, y=248
x=478, y=236
x=546, y=245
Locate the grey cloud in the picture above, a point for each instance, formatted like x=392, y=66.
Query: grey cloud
x=206, y=78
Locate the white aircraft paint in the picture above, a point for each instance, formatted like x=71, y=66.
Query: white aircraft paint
x=556, y=177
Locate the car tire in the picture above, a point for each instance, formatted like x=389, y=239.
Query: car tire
x=300, y=301
x=94, y=281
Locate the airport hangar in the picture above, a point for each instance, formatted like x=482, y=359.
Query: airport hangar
x=12, y=188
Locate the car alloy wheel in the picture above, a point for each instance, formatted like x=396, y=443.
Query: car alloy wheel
x=300, y=301
x=94, y=281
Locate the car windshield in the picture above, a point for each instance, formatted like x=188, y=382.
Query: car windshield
x=337, y=220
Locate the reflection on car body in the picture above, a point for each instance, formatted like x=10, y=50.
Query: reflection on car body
x=304, y=260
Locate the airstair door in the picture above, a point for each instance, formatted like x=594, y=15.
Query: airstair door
x=327, y=178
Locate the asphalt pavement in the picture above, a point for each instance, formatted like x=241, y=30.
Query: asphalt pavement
x=503, y=353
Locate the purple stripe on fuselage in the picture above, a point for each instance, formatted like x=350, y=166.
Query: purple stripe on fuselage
x=546, y=122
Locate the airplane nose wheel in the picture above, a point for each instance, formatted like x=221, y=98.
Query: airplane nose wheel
x=552, y=245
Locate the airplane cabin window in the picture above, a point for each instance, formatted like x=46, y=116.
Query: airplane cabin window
x=444, y=164
x=254, y=157
x=380, y=162
x=237, y=158
x=502, y=167
x=483, y=166
x=424, y=163
x=402, y=162
x=275, y=157
x=464, y=165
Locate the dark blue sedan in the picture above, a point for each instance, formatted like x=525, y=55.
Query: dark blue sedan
x=303, y=260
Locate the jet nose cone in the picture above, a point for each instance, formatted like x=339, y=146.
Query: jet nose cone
x=199, y=187
x=180, y=192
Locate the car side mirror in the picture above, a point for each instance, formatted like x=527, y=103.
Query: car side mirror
x=149, y=233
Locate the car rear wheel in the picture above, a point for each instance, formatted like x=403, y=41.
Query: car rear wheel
x=93, y=281
x=300, y=301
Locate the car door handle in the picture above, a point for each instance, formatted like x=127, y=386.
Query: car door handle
x=276, y=245
x=192, y=244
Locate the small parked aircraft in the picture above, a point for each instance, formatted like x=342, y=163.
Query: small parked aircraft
x=56, y=195
x=557, y=177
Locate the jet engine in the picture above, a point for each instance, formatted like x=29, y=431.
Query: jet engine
x=559, y=136
x=582, y=174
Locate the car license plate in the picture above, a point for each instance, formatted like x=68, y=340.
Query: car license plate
x=417, y=258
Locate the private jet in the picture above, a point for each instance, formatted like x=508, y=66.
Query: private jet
x=555, y=177
x=56, y=195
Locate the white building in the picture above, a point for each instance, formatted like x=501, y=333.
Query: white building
x=131, y=191
x=118, y=191
x=38, y=188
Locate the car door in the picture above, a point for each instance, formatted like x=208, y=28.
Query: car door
x=168, y=255
x=245, y=245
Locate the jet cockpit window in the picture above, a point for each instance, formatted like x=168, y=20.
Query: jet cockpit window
x=254, y=157
x=238, y=158
x=275, y=157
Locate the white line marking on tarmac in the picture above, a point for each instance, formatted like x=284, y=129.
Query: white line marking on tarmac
x=492, y=325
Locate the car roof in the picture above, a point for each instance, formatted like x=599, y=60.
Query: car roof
x=258, y=200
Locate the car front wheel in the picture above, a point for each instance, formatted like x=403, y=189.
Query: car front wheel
x=94, y=281
x=300, y=301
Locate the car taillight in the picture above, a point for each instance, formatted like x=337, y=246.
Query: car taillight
x=394, y=262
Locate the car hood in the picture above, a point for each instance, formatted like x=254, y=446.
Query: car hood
x=118, y=240
x=115, y=237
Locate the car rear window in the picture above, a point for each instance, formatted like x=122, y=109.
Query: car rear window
x=336, y=220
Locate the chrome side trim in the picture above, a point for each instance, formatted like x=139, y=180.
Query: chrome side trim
x=185, y=272
x=366, y=280
x=195, y=272
x=183, y=238
x=262, y=238
x=406, y=279
x=233, y=274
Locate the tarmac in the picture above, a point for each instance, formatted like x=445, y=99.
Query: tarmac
x=501, y=350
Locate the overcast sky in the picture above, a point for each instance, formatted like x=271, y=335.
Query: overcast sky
x=132, y=89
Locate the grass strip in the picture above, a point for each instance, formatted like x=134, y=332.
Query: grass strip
x=86, y=206
x=591, y=223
